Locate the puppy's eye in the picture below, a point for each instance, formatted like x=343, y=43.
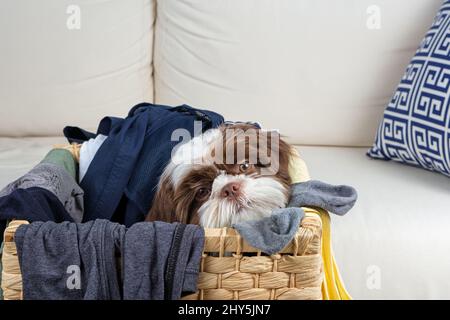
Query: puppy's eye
x=202, y=193
x=244, y=167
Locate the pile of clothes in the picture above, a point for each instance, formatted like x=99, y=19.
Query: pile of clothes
x=104, y=260
x=49, y=192
x=118, y=172
x=86, y=215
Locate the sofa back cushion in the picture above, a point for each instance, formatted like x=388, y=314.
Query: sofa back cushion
x=72, y=62
x=320, y=71
x=416, y=125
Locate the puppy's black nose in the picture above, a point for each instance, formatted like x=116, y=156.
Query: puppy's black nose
x=231, y=190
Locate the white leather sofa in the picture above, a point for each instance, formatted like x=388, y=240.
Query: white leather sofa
x=320, y=71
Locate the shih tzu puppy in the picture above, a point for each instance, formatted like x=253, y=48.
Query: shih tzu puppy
x=226, y=175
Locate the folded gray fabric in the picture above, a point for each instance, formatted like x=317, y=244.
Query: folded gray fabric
x=161, y=260
x=70, y=260
x=58, y=181
x=274, y=233
x=78, y=261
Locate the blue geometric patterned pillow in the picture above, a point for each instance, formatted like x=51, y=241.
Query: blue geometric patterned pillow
x=416, y=125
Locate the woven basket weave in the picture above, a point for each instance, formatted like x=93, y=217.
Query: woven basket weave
x=295, y=273
x=230, y=268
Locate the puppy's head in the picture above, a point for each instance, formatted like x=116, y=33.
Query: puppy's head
x=227, y=175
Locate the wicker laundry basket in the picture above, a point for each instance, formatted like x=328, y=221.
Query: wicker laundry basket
x=230, y=268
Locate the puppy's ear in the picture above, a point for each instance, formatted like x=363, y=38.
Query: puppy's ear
x=286, y=152
x=183, y=209
x=163, y=208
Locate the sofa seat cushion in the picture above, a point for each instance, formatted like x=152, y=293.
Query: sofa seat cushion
x=387, y=245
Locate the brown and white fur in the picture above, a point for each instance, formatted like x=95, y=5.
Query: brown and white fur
x=195, y=188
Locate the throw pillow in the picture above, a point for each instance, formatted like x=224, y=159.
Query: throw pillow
x=416, y=124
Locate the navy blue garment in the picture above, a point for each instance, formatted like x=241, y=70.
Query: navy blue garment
x=32, y=204
x=122, y=178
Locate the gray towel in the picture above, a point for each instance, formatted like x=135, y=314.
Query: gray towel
x=274, y=233
x=58, y=181
x=69, y=260
x=161, y=260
